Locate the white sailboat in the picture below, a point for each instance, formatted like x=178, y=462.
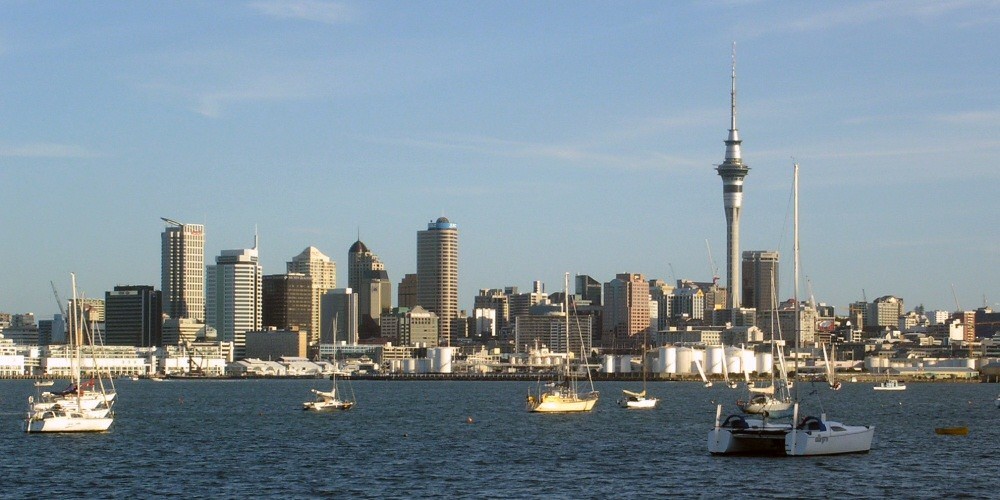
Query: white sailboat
x=775, y=399
x=701, y=372
x=563, y=395
x=638, y=400
x=83, y=408
x=831, y=372
x=328, y=400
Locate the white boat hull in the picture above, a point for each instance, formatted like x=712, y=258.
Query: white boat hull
x=766, y=405
x=638, y=404
x=743, y=436
x=833, y=438
x=66, y=422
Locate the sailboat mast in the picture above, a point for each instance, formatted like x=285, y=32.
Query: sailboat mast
x=795, y=250
x=566, y=309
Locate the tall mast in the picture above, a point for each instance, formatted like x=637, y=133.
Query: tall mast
x=795, y=251
x=566, y=308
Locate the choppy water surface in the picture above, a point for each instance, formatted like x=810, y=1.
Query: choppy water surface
x=405, y=439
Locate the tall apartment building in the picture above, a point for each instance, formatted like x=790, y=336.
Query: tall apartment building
x=626, y=308
x=133, y=316
x=182, y=270
x=234, y=296
x=437, y=273
x=760, y=280
x=323, y=273
x=287, y=302
x=366, y=275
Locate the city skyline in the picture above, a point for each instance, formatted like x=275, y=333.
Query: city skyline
x=559, y=137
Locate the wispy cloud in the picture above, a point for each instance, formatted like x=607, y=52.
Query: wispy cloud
x=567, y=154
x=854, y=14
x=989, y=117
x=307, y=10
x=47, y=150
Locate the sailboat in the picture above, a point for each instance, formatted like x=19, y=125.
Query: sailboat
x=775, y=399
x=831, y=371
x=328, y=400
x=563, y=394
x=701, y=372
x=638, y=400
x=84, y=406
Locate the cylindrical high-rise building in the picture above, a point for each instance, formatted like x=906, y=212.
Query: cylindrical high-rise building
x=437, y=273
x=732, y=171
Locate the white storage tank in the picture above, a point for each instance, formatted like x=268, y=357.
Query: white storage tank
x=410, y=365
x=765, y=362
x=668, y=357
x=685, y=360
x=714, y=357
x=423, y=365
x=625, y=364
x=443, y=359
x=748, y=361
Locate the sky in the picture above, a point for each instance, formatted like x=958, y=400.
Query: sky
x=561, y=136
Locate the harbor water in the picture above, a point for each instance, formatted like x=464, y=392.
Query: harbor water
x=250, y=438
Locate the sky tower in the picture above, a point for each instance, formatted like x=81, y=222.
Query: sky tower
x=732, y=171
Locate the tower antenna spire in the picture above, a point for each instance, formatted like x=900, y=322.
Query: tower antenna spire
x=732, y=93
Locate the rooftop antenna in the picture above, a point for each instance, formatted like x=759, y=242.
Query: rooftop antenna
x=255, y=236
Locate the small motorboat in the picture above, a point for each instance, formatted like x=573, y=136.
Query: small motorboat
x=952, y=431
x=45, y=383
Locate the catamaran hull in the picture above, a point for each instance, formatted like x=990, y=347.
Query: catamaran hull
x=853, y=439
x=67, y=424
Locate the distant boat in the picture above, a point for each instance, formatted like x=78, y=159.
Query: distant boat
x=998, y=401
x=328, y=400
x=638, y=400
x=952, y=431
x=45, y=383
x=890, y=385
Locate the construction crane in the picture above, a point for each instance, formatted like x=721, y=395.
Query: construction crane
x=171, y=221
x=58, y=301
x=958, y=308
x=672, y=273
x=711, y=263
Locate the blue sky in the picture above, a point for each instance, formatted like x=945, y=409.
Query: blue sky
x=560, y=136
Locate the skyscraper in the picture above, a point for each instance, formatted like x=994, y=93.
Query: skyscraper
x=760, y=280
x=323, y=272
x=366, y=275
x=626, y=307
x=437, y=273
x=732, y=171
x=340, y=317
x=234, y=296
x=182, y=270
x=287, y=302
x=133, y=316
